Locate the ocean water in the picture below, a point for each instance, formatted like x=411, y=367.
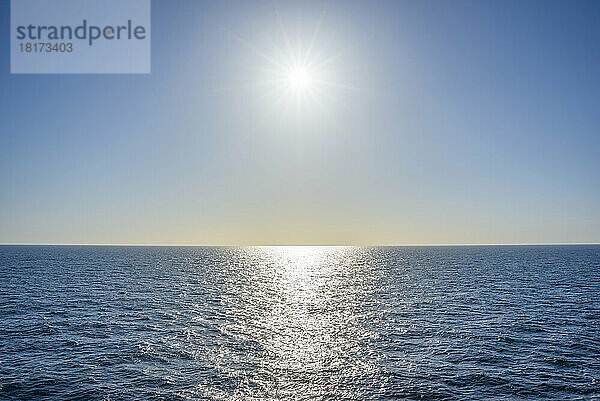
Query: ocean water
x=178, y=323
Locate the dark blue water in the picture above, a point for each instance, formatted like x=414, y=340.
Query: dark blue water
x=456, y=323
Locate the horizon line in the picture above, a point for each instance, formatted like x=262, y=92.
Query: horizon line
x=304, y=245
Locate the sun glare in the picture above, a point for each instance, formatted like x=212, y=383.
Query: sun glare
x=297, y=73
x=299, y=79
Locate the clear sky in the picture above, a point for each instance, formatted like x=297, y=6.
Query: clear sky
x=423, y=122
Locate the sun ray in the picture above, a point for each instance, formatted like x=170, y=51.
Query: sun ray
x=314, y=35
x=335, y=85
x=253, y=48
x=266, y=82
x=325, y=111
x=337, y=55
x=286, y=38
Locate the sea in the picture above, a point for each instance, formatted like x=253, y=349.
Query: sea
x=300, y=323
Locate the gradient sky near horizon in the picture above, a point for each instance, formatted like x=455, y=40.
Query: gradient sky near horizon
x=437, y=122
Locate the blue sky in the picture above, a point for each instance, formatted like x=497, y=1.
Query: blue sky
x=439, y=122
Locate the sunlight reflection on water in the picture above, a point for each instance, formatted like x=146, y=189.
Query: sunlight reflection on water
x=298, y=311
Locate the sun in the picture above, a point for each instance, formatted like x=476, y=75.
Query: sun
x=298, y=79
x=298, y=72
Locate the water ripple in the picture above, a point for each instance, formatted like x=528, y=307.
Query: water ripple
x=181, y=323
